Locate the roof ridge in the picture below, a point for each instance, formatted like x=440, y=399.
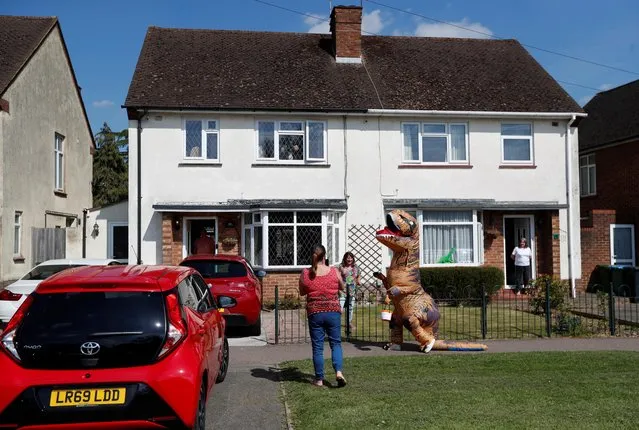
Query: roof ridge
x=222, y=30
x=636, y=81
x=30, y=17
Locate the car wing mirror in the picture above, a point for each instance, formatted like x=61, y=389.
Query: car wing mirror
x=224, y=302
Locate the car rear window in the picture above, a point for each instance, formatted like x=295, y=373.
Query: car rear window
x=128, y=326
x=41, y=273
x=217, y=268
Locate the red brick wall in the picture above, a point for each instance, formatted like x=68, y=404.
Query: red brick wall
x=617, y=188
x=494, y=239
x=595, y=243
x=288, y=283
x=346, y=27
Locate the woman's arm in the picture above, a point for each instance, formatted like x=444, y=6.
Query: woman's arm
x=302, y=286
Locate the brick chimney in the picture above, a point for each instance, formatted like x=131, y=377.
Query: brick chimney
x=346, y=28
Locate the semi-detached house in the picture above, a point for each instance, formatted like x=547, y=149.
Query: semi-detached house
x=273, y=142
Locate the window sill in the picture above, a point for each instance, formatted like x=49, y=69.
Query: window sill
x=435, y=166
x=276, y=164
x=18, y=259
x=284, y=269
x=517, y=166
x=198, y=163
x=60, y=193
x=588, y=196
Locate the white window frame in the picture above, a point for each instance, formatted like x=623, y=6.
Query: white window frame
x=449, y=142
x=58, y=157
x=531, y=143
x=590, y=165
x=263, y=221
x=613, y=260
x=203, y=139
x=477, y=229
x=304, y=132
x=17, y=224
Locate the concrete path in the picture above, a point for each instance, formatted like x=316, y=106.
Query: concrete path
x=250, y=396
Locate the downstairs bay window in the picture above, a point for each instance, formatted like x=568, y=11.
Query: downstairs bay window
x=285, y=239
x=451, y=237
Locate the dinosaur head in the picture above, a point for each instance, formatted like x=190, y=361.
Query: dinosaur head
x=401, y=231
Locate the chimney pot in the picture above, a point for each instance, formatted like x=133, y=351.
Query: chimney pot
x=346, y=28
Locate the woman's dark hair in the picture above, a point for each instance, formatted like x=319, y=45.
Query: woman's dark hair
x=346, y=255
x=319, y=254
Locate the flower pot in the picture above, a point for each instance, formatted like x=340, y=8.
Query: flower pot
x=386, y=315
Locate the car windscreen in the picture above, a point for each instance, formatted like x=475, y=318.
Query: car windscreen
x=217, y=268
x=128, y=326
x=41, y=273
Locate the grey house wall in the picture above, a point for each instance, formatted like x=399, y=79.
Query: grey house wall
x=43, y=101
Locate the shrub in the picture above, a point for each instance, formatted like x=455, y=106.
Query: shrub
x=461, y=282
x=558, y=292
x=568, y=324
x=286, y=303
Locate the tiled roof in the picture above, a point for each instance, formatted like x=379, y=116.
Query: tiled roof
x=238, y=70
x=613, y=116
x=19, y=38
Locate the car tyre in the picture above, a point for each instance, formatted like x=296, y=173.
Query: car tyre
x=224, y=365
x=200, y=417
x=256, y=329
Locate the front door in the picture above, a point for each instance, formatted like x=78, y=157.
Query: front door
x=622, y=244
x=516, y=228
x=194, y=228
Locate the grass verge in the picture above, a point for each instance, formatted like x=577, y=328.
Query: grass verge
x=509, y=390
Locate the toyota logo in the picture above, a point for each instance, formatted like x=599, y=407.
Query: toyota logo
x=90, y=348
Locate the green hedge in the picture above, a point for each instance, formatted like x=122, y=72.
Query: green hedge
x=461, y=282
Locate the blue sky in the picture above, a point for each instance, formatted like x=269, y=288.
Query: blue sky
x=104, y=37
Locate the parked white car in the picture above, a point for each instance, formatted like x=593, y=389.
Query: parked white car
x=14, y=294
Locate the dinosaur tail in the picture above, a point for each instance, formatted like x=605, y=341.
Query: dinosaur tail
x=443, y=345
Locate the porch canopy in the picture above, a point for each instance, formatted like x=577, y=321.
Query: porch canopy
x=479, y=204
x=247, y=205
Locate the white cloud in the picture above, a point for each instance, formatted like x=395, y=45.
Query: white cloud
x=318, y=24
x=604, y=87
x=425, y=29
x=103, y=103
x=371, y=23
x=585, y=99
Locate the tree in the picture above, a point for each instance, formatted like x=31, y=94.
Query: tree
x=110, y=170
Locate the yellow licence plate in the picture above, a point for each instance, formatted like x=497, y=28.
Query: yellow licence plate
x=88, y=397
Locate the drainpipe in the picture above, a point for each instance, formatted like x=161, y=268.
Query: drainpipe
x=570, y=204
x=345, y=131
x=84, y=233
x=139, y=179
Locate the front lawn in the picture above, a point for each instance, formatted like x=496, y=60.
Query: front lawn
x=470, y=390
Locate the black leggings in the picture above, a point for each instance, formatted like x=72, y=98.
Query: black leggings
x=522, y=275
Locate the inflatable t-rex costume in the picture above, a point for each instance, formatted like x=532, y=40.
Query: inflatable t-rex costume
x=414, y=308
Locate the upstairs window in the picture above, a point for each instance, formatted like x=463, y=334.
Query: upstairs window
x=201, y=139
x=435, y=143
x=58, y=160
x=587, y=175
x=517, y=143
x=291, y=141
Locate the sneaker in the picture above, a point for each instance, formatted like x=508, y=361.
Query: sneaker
x=341, y=381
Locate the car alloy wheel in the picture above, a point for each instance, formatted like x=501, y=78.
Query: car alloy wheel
x=200, y=418
x=224, y=365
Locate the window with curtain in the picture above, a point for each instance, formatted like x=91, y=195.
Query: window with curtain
x=201, y=139
x=449, y=237
x=435, y=143
x=291, y=236
x=291, y=141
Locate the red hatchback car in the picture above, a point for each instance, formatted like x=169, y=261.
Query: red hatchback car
x=113, y=347
x=233, y=276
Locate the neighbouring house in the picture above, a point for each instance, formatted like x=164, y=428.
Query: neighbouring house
x=107, y=232
x=273, y=142
x=47, y=145
x=609, y=180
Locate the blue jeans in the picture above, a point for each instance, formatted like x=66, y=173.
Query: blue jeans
x=342, y=303
x=320, y=324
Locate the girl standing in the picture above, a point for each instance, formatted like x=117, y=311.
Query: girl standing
x=350, y=275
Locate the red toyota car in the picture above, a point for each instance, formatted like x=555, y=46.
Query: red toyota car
x=233, y=276
x=113, y=347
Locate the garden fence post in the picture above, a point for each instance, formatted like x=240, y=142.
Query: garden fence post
x=611, y=310
x=548, y=316
x=277, y=315
x=347, y=306
x=484, y=312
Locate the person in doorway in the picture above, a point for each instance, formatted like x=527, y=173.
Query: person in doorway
x=204, y=244
x=321, y=283
x=522, y=255
x=350, y=274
